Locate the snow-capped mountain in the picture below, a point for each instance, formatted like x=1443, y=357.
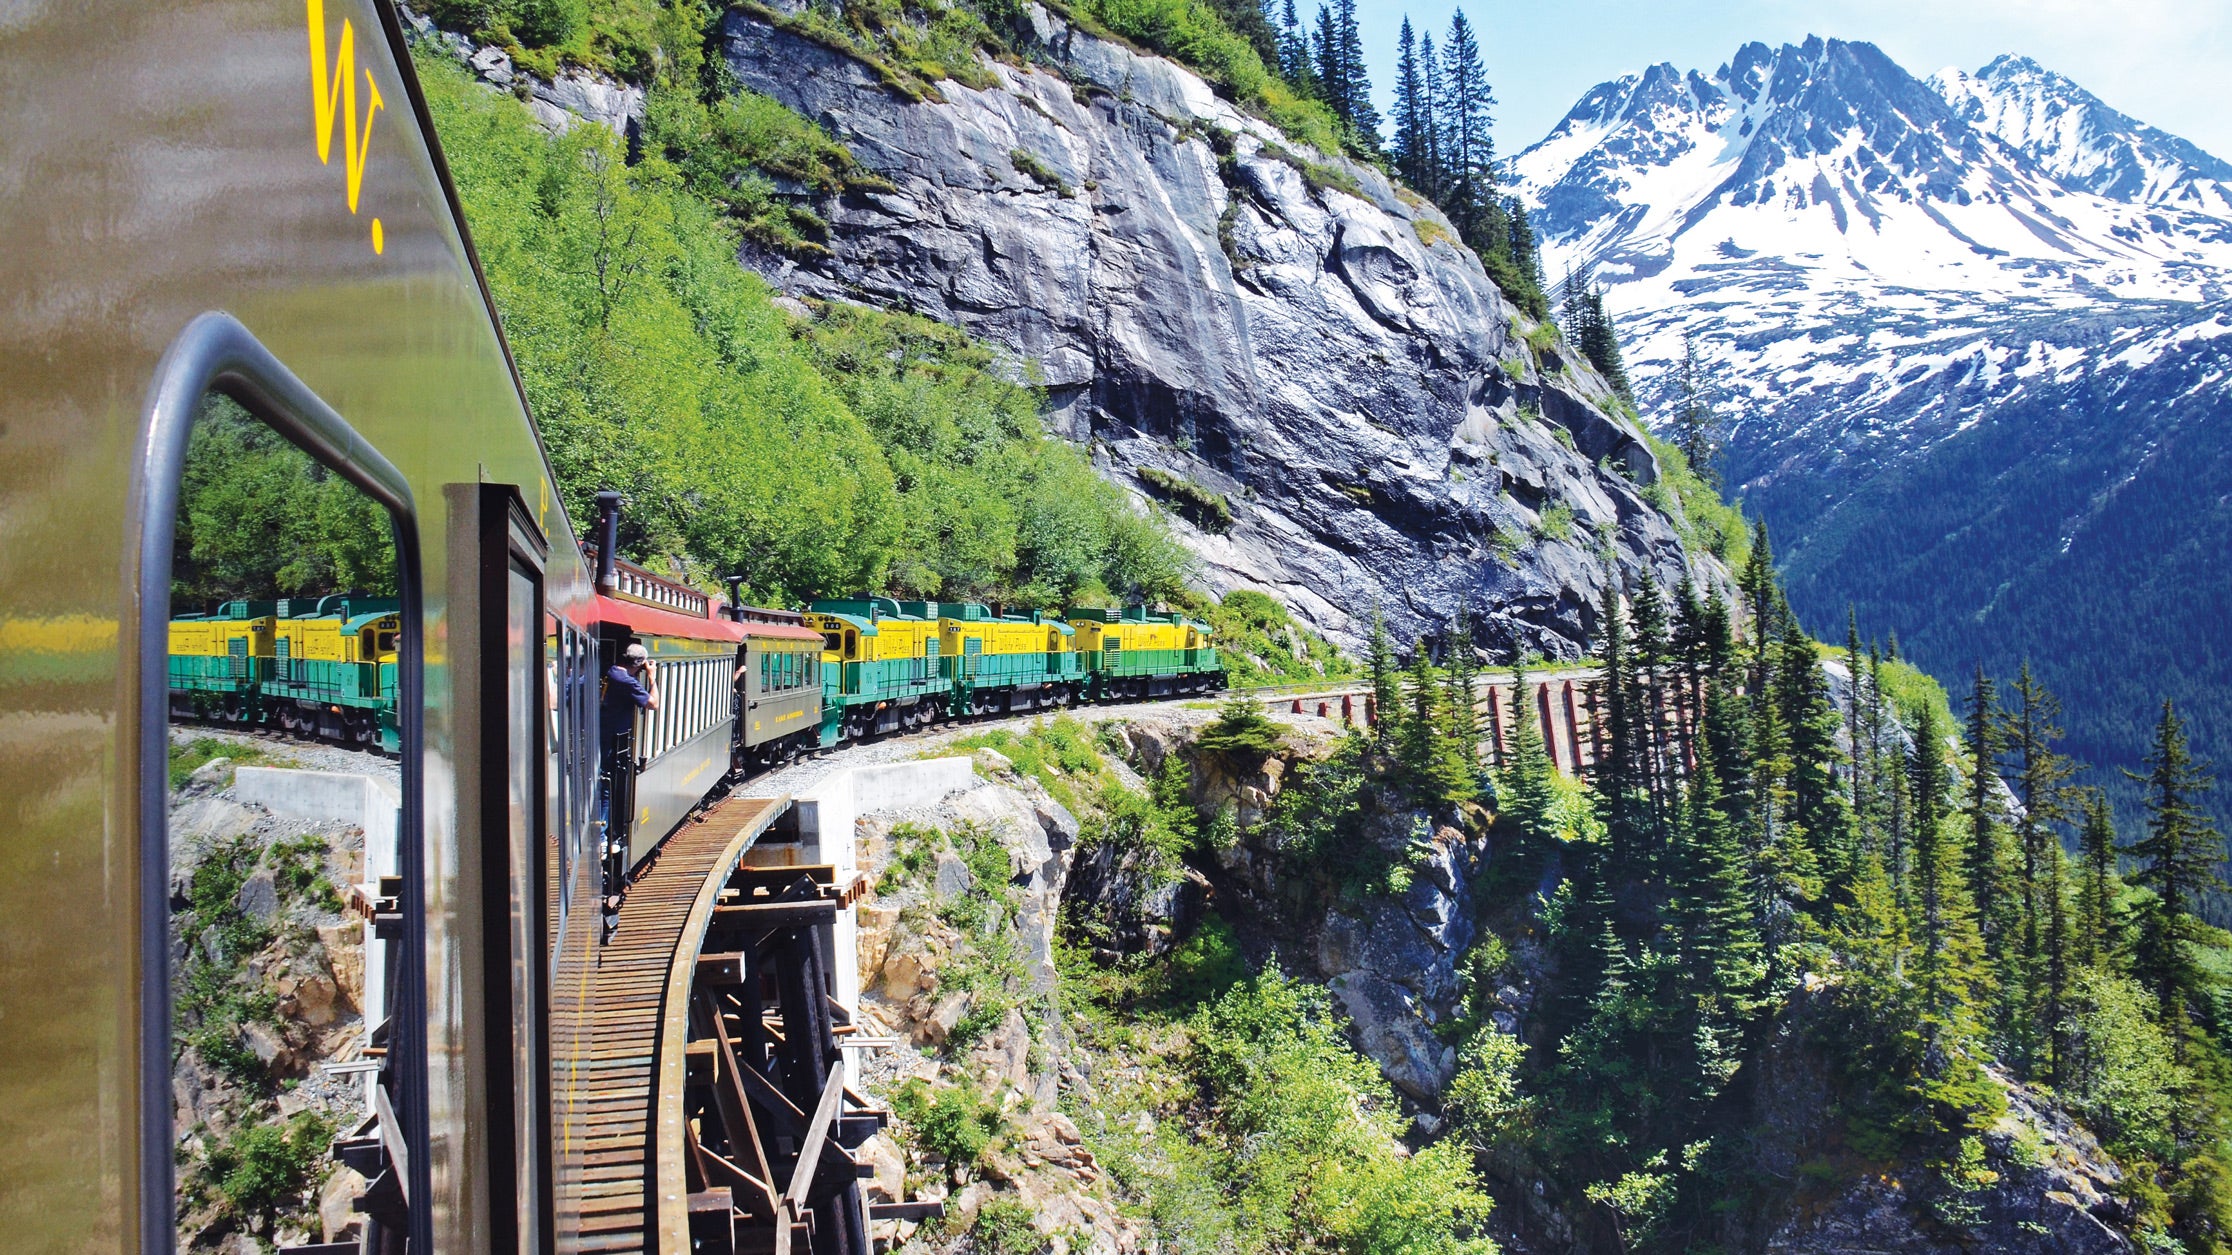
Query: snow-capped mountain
x=1893, y=279
x=2072, y=135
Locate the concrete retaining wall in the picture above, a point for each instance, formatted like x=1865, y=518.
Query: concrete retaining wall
x=827, y=815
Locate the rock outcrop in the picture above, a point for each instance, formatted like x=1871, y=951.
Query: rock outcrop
x=1204, y=300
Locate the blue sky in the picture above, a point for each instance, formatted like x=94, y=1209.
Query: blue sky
x=2165, y=62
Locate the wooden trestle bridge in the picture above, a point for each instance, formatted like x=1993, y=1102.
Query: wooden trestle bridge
x=712, y=1112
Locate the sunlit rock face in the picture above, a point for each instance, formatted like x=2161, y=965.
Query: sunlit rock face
x=1204, y=298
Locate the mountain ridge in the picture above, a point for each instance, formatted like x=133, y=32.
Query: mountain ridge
x=1901, y=286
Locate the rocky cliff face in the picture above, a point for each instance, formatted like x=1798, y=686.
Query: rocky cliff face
x=1203, y=300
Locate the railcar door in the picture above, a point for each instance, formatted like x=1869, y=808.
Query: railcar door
x=503, y=704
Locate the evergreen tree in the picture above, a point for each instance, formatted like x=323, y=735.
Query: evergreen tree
x=1986, y=861
x=1855, y=683
x=1463, y=673
x=1949, y=961
x=2041, y=775
x=1433, y=167
x=1696, y=426
x=1468, y=156
x=1386, y=696
x=1413, y=149
x=1653, y=763
x=1294, y=51
x=2097, y=883
x=1359, y=112
x=1431, y=763
x=1524, y=787
x=1526, y=256
x=2182, y=851
x=1600, y=343
x=1618, y=773
x=1717, y=940
x=1817, y=804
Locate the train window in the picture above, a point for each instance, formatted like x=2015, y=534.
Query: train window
x=285, y=979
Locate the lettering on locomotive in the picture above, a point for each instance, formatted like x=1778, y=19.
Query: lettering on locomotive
x=333, y=97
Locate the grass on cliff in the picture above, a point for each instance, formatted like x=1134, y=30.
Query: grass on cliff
x=851, y=449
x=1259, y=642
x=1700, y=516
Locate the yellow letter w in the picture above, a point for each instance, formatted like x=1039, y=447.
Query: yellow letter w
x=337, y=93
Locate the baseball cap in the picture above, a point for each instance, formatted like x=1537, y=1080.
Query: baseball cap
x=637, y=653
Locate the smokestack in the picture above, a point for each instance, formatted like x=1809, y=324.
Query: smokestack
x=736, y=596
x=608, y=540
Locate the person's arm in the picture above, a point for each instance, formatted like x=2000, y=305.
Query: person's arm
x=651, y=685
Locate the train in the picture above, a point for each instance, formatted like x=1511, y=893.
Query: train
x=326, y=668
x=760, y=686
x=197, y=236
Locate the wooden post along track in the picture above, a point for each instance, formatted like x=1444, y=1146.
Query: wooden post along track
x=711, y=1112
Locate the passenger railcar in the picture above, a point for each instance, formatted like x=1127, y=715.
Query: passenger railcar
x=246, y=201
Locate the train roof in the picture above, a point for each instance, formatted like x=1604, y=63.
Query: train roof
x=654, y=621
x=1132, y=614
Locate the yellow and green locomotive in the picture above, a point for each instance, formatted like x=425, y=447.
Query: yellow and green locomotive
x=1135, y=653
x=322, y=666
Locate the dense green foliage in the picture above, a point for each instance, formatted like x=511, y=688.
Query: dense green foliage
x=1260, y=643
x=1770, y=862
x=259, y=518
x=823, y=455
x=1296, y=1148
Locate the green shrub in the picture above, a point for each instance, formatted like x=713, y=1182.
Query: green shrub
x=948, y=1121
x=1556, y=521
x=1004, y=1226
x=262, y=1172
x=1260, y=643
x=1241, y=731
x=1208, y=510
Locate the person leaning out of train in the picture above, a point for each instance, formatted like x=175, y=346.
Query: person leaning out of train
x=630, y=685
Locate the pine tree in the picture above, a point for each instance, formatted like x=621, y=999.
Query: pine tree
x=2182, y=851
x=1413, y=116
x=1524, y=787
x=1619, y=772
x=1363, y=118
x=1526, y=256
x=1854, y=683
x=1949, y=955
x=1817, y=804
x=1696, y=426
x=2029, y=730
x=1652, y=652
x=1329, y=65
x=1468, y=156
x=1294, y=51
x=1433, y=166
x=1600, y=343
x=2096, y=886
x=1717, y=940
x=1386, y=697
x=1986, y=865
x=1463, y=674
x=1432, y=766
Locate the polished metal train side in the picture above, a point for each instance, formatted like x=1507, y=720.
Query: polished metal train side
x=245, y=195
